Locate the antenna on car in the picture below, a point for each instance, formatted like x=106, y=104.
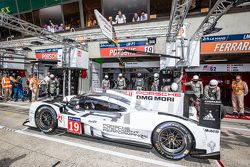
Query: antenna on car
x=67, y=102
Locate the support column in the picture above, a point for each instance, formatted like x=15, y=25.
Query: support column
x=81, y=13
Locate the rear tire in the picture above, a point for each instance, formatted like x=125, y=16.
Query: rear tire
x=172, y=140
x=46, y=119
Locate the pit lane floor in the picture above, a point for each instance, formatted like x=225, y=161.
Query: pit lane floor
x=22, y=146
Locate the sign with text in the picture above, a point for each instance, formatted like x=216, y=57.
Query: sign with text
x=105, y=26
x=238, y=43
x=220, y=68
x=110, y=50
x=79, y=59
x=74, y=125
x=13, y=61
x=49, y=54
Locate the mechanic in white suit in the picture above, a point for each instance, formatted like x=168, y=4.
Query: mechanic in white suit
x=106, y=82
x=121, y=82
x=155, y=85
x=139, y=82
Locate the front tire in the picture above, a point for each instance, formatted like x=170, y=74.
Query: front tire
x=172, y=140
x=46, y=119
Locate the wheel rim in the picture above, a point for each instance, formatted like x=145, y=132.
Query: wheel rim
x=45, y=119
x=172, y=140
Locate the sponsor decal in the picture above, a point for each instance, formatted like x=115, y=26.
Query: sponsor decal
x=92, y=121
x=74, y=125
x=60, y=117
x=129, y=92
x=123, y=130
x=211, y=145
x=209, y=117
x=212, y=130
x=155, y=98
x=166, y=94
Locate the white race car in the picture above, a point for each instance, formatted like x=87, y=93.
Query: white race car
x=162, y=120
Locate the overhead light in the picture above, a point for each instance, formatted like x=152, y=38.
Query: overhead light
x=36, y=43
x=27, y=49
x=216, y=60
x=68, y=40
x=241, y=2
x=10, y=50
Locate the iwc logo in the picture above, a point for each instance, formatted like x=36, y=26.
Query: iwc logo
x=209, y=117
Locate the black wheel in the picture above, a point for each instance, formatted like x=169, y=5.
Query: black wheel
x=172, y=140
x=46, y=119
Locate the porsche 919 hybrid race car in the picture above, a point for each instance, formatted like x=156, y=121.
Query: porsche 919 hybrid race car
x=163, y=120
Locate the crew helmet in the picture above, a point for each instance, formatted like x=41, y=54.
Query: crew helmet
x=213, y=83
x=106, y=76
x=174, y=87
x=52, y=76
x=139, y=74
x=156, y=75
x=120, y=75
x=195, y=78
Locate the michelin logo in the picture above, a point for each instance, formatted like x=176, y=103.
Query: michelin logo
x=209, y=117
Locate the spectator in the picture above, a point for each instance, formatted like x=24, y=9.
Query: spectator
x=239, y=90
x=29, y=90
x=19, y=90
x=136, y=18
x=61, y=27
x=34, y=87
x=7, y=86
x=144, y=16
x=67, y=27
x=110, y=19
x=13, y=82
x=120, y=18
x=1, y=86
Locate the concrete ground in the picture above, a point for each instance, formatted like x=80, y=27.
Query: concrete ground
x=22, y=146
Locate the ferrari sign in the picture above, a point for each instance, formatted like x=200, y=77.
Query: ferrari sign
x=105, y=26
x=238, y=43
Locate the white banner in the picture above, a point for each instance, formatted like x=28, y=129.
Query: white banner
x=79, y=59
x=105, y=26
x=95, y=75
x=18, y=64
x=165, y=102
x=152, y=64
x=175, y=49
x=220, y=68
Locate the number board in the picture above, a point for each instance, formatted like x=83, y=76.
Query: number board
x=74, y=125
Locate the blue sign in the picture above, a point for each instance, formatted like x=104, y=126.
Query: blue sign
x=75, y=119
x=220, y=38
x=125, y=44
x=47, y=50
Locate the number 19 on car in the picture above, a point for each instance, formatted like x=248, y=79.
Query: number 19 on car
x=74, y=125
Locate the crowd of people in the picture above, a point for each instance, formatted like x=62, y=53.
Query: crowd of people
x=14, y=87
x=51, y=27
x=121, y=18
x=174, y=84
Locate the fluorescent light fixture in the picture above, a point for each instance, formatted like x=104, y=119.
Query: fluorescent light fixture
x=218, y=60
